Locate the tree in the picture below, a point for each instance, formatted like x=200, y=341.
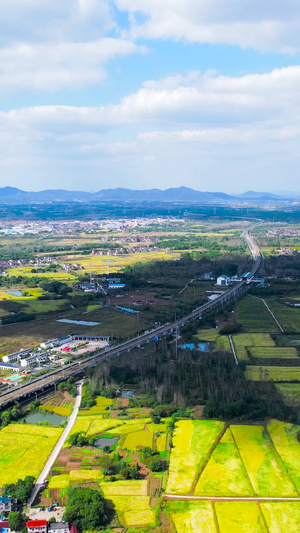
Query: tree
x=16, y=521
x=158, y=465
x=86, y=508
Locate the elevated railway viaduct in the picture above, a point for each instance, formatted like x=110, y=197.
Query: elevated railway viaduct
x=78, y=368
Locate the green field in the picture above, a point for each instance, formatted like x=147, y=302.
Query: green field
x=192, y=442
x=266, y=472
x=239, y=517
x=272, y=373
x=224, y=474
x=284, y=437
x=24, y=449
x=247, y=340
x=253, y=316
x=192, y=517
x=290, y=392
x=273, y=353
x=288, y=317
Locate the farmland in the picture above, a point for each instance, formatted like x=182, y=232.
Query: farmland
x=265, y=470
x=192, y=442
x=192, y=517
x=247, y=340
x=224, y=474
x=284, y=437
x=272, y=373
x=254, y=317
x=24, y=450
x=290, y=392
x=239, y=517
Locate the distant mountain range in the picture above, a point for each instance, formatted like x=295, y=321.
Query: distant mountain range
x=12, y=195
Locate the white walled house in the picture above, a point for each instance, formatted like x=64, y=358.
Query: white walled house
x=223, y=280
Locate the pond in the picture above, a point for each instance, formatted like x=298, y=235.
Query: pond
x=52, y=418
x=201, y=346
x=79, y=322
x=15, y=293
x=105, y=441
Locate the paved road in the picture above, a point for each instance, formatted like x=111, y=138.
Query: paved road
x=233, y=350
x=52, y=458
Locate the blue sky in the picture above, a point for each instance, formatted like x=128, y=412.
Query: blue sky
x=140, y=94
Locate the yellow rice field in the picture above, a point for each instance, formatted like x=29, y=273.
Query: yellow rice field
x=267, y=475
x=24, y=450
x=192, y=517
x=284, y=437
x=239, y=517
x=192, y=442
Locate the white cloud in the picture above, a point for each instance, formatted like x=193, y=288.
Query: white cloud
x=53, y=20
x=175, y=123
x=61, y=65
x=271, y=25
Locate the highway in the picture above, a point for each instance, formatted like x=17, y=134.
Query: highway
x=79, y=367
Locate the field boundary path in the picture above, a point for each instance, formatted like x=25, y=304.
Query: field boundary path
x=271, y=313
x=232, y=498
x=233, y=350
x=54, y=454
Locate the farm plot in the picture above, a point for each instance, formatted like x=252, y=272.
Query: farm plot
x=253, y=316
x=245, y=340
x=101, y=407
x=284, y=437
x=208, y=335
x=24, y=450
x=273, y=353
x=266, y=472
x=222, y=344
x=224, y=474
x=131, y=502
x=239, y=517
x=288, y=317
x=62, y=481
x=192, y=442
x=282, y=517
x=138, y=439
x=94, y=424
x=290, y=392
x=192, y=517
x=272, y=373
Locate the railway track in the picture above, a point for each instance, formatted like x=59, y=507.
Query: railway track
x=79, y=367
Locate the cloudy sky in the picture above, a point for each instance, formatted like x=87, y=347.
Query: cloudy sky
x=150, y=93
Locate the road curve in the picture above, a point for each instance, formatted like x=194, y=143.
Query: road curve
x=79, y=367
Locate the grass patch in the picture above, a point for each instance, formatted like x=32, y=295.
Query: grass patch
x=289, y=391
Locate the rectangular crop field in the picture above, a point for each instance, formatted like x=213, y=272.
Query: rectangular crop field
x=94, y=424
x=290, y=392
x=192, y=442
x=133, y=511
x=282, y=517
x=139, y=438
x=128, y=487
x=272, y=373
x=224, y=474
x=265, y=352
x=284, y=437
x=191, y=516
x=266, y=472
x=24, y=450
x=253, y=316
x=208, y=335
x=239, y=517
x=245, y=340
